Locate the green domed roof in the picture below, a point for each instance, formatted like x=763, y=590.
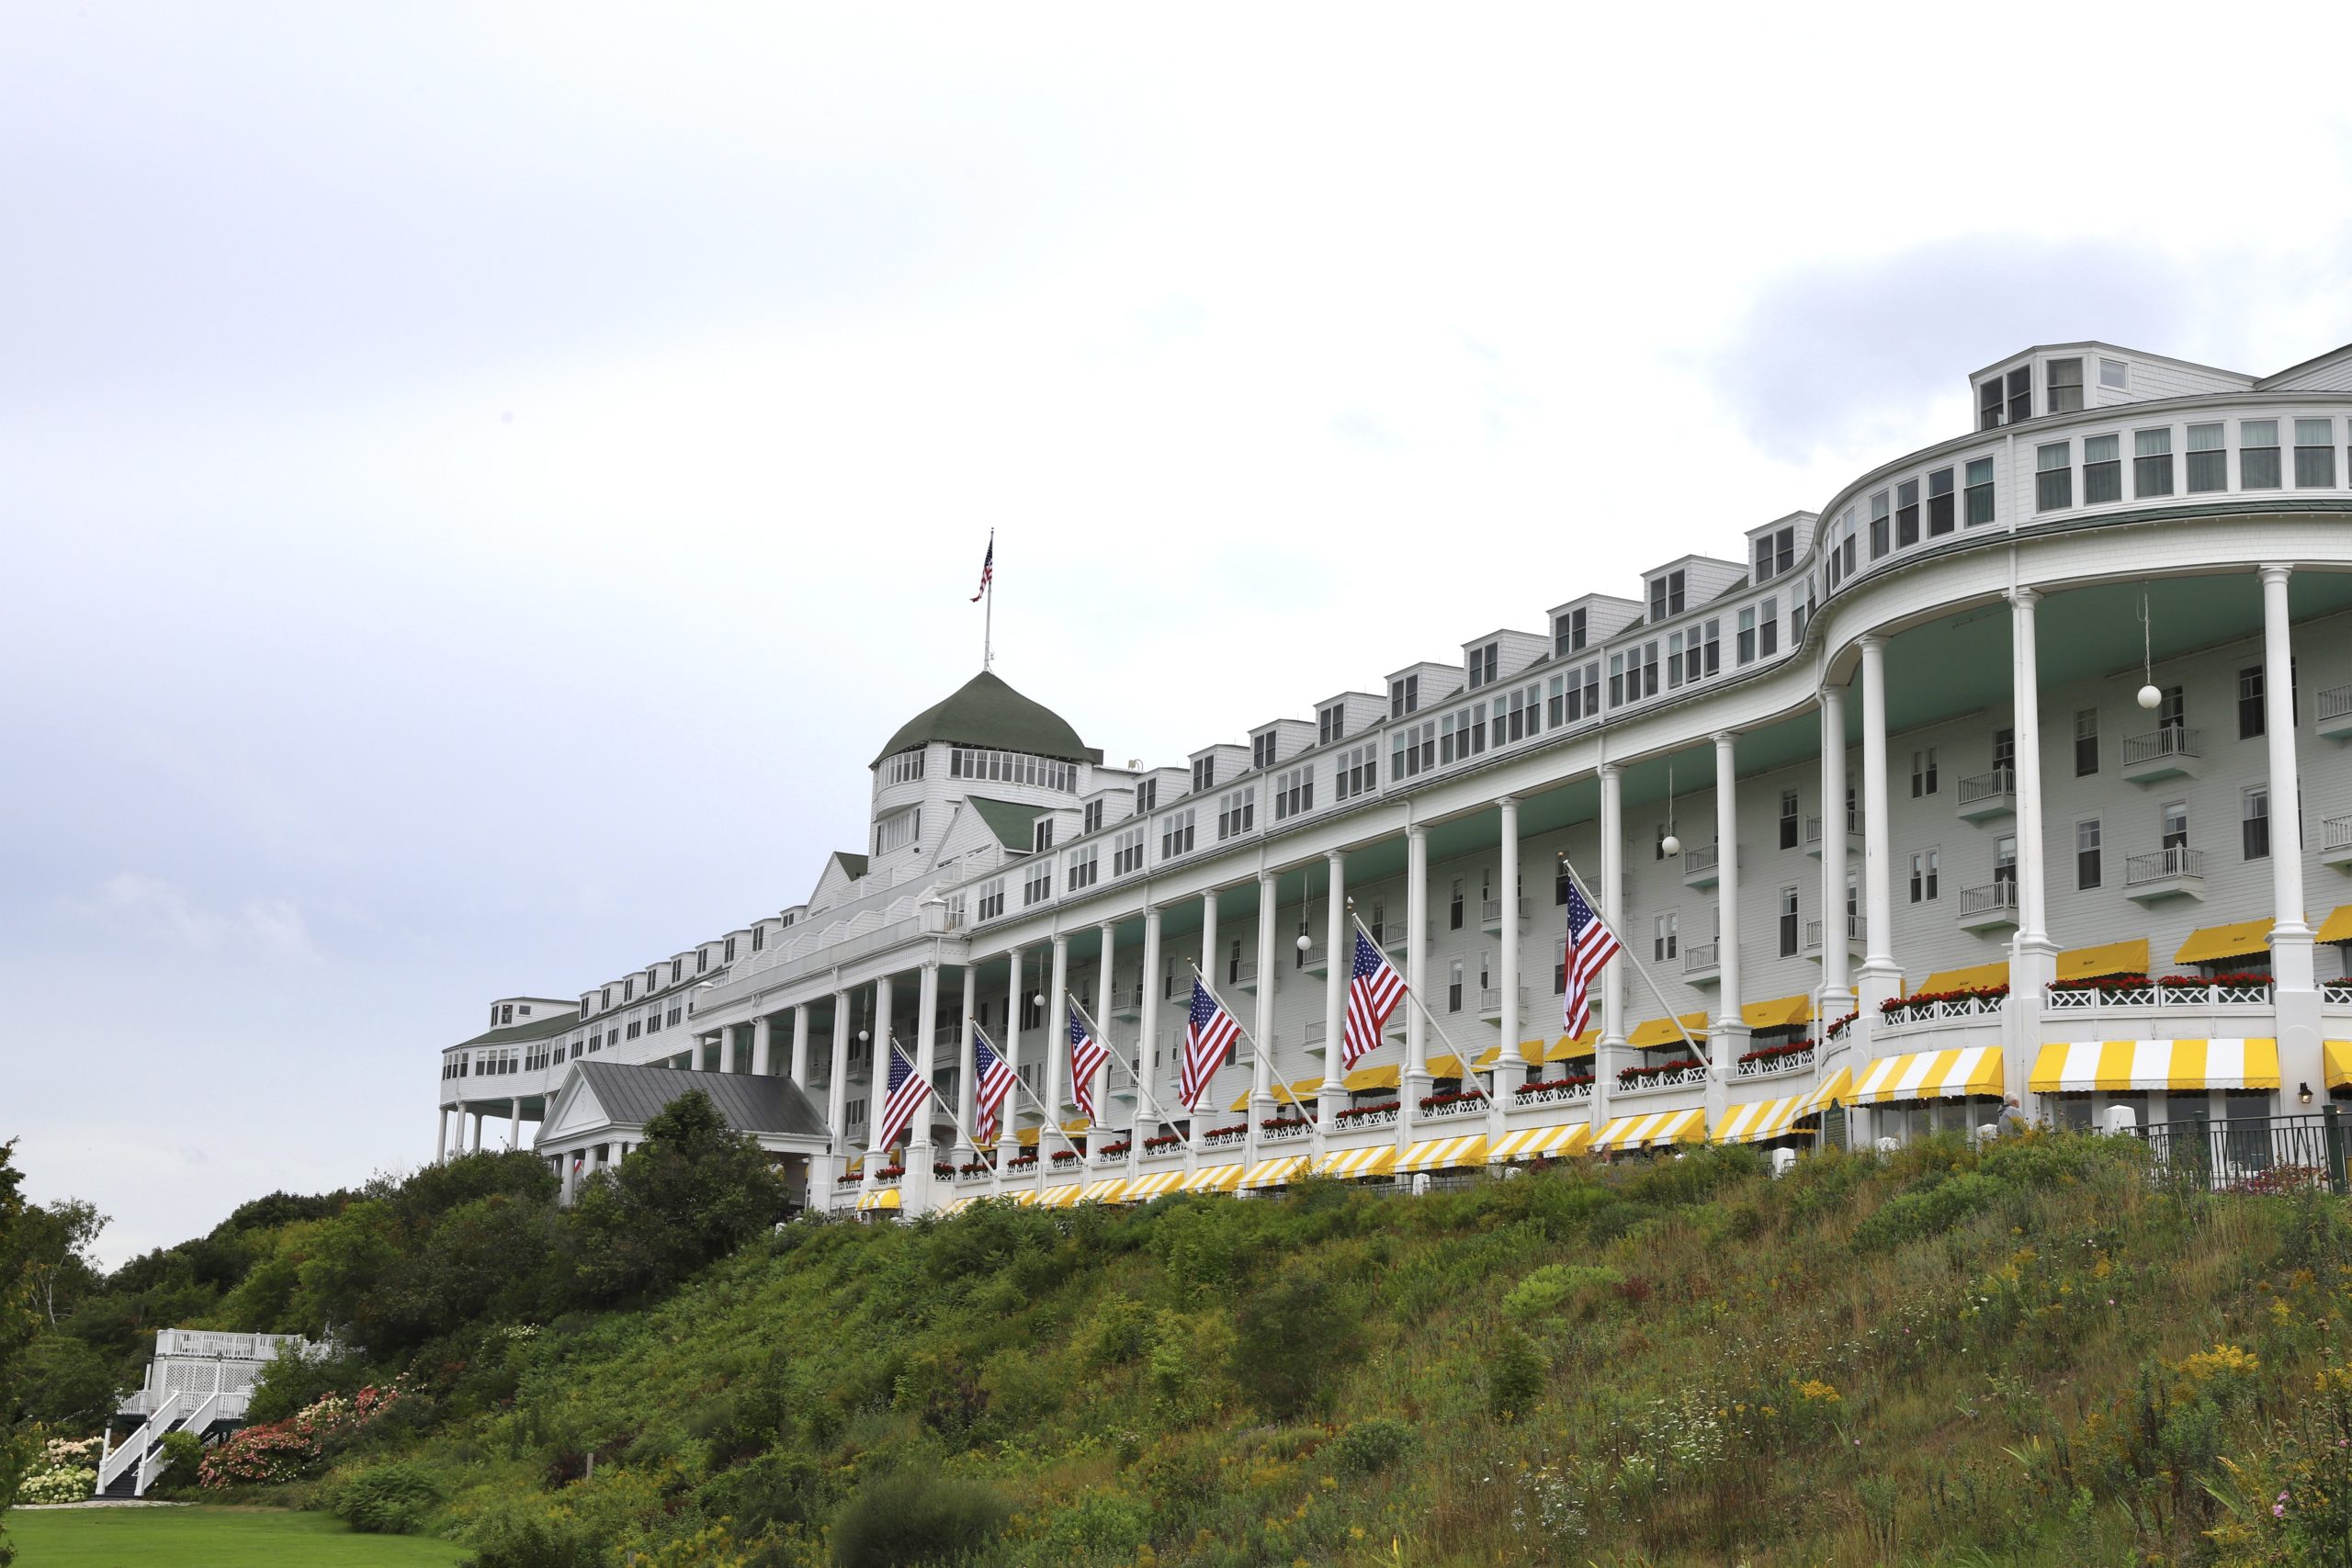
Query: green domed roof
x=984, y=711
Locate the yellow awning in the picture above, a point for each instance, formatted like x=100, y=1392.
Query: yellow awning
x=1213, y=1178
x=886, y=1198
x=1760, y=1118
x=1933, y=1074
x=1058, y=1197
x=1076, y=1124
x=1276, y=1172
x=1655, y=1131
x=2337, y=927
x=2111, y=958
x=1554, y=1142
x=2337, y=1053
x=1530, y=1051
x=1364, y=1079
x=1837, y=1089
x=1027, y=1137
x=2119, y=1064
x=1302, y=1093
x=854, y=1168
x=1446, y=1067
x=2211, y=944
x=1373, y=1159
x=1444, y=1154
x=1573, y=1047
x=1976, y=977
x=960, y=1204
x=1110, y=1190
x=1159, y=1184
x=1781, y=1012
x=1660, y=1031
x=1025, y=1198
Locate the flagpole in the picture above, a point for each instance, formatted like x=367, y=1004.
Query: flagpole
x=1023, y=1086
x=1104, y=1036
x=1413, y=992
x=1672, y=1016
x=899, y=1051
x=987, y=611
x=1254, y=1045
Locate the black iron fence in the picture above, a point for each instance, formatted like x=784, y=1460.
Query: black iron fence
x=2252, y=1153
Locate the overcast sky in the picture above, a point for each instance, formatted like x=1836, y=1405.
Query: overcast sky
x=480, y=481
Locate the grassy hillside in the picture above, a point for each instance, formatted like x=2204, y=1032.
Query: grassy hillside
x=2027, y=1356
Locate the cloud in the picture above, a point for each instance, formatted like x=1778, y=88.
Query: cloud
x=158, y=910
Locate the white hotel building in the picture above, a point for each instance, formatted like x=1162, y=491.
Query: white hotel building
x=2064, y=697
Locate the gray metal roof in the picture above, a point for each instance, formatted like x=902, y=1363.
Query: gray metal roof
x=632, y=1095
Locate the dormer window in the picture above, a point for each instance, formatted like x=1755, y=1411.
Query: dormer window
x=702, y=963
x=730, y=949
x=1404, y=696
x=2114, y=375
x=1776, y=552
x=1261, y=750
x=1568, y=632
x=2004, y=400
x=1094, y=816
x=2062, y=381
x=1666, y=595
x=1042, y=835
x=1204, y=773
x=1482, y=664
x=759, y=938
x=1146, y=797
x=1330, y=724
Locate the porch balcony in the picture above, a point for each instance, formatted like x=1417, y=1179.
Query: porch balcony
x=1853, y=835
x=2176, y=872
x=1703, y=964
x=1701, y=865
x=1984, y=797
x=1490, y=1004
x=1991, y=908
x=2335, y=841
x=1490, y=915
x=2170, y=753
x=2334, y=718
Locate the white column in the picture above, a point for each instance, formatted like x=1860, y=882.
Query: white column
x=441, y=1136
x=1106, y=969
x=800, y=1047
x=725, y=1040
x=836, y=1100
x=1879, y=975
x=478, y=1120
x=762, y=1032
x=1148, y=991
x=1837, y=985
x=1336, y=948
x=1009, y=1119
x=1416, y=1081
x=2033, y=957
x=925, y=1056
x=1728, y=1038
x=1261, y=1075
x=2299, y=1049
x=878, y=1061
x=1610, y=1046
x=967, y=1091
x=515, y=1125
x=1209, y=1109
x=1510, y=1070
x=1057, y=1045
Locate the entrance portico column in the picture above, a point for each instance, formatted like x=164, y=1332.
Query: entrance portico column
x=800, y=1047
x=762, y=1036
x=1510, y=1068
x=1336, y=947
x=1205, y=1109
x=1879, y=975
x=1727, y=1039
x=1836, y=983
x=441, y=1136
x=2297, y=999
x=2033, y=956
x=1416, y=1082
x=837, y=1101
x=1261, y=1070
x=967, y=1091
x=1608, y=1049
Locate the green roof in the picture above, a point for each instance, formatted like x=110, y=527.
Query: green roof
x=984, y=711
x=535, y=1028
x=1015, y=826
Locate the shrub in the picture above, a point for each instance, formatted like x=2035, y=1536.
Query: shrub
x=1288, y=1337
x=183, y=1453
x=385, y=1499
x=532, y=1540
x=1515, y=1377
x=1927, y=1211
x=1543, y=1294
x=911, y=1517
x=1369, y=1446
x=1100, y=1527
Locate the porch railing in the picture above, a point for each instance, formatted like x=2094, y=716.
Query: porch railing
x=1987, y=786
x=2171, y=740
x=2179, y=861
x=2251, y=1154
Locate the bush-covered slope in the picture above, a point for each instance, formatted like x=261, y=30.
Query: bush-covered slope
x=2027, y=1355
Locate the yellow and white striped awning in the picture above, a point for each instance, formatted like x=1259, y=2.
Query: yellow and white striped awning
x=1932, y=1075
x=1655, y=1131
x=1058, y=1197
x=1110, y=1190
x=1444, y=1154
x=2116, y=1065
x=1760, y=1118
x=1276, y=1172
x=1213, y=1178
x=1373, y=1159
x=1025, y=1198
x=1548, y=1143
x=1159, y=1184
x=2336, y=1056
x=887, y=1197
x=1837, y=1088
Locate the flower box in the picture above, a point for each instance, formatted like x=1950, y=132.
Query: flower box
x=1363, y=1115
x=1115, y=1151
x=1282, y=1126
x=1546, y=1087
x=1066, y=1157
x=1776, y=1052
x=1452, y=1097
x=976, y=1168
x=942, y=1168
x=1642, y=1077
x=1021, y=1162
x=1163, y=1144
x=1921, y=1004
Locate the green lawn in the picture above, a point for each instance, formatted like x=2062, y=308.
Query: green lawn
x=209, y=1538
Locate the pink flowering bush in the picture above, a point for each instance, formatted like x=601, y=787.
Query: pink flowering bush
x=274, y=1452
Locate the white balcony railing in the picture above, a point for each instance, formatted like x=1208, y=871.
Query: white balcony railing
x=1357, y=1120
x=1222, y=1138
x=2336, y=833
x=1990, y=899
x=1678, y=1077
x=1490, y=911
x=1979, y=787
x=2155, y=994
x=2164, y=864
x=2157, y=745
x=1702, y=956
x=1476, y=1107
x=2335, y=702
x=1945, y=1012
x=1771, y=1067
x=1556, y=1095
x=1701, y=857
x=2336, y=993
x=1286, y=1132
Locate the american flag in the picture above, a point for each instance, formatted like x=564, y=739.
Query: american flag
x=1208, y=1034
x=908, y=1089
x=1374, y=990
x=988, y=567
x=1590, y=945
x=994, y=1076
x=1087, y=1055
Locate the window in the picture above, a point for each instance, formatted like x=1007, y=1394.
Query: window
x=1980, y=491
x=2063, y=382
x=2254, y=824
x=1481, y=664
x=1453, y=908
x=1038, y=885
x=1236, y=814
x=1786, y=922
x=1204, y=775
x=1939, y=497
x=1519, y=716
x=2087, y=867
x=2114, y=373
x=2005, y=750
x=906, y=765
x=1666, y=595
x=1923, y=772
x=2086, y=742
x=1013, y=767
x=1412, y=749
x=2250, y=703
x=1293, y=793
x=1404, y=696
x=2151, y=462
x=1461, y=735
x=678, y=967
x=1674, y=660
x=2257, y=453
x=2054, y=476
x=1261, y=750
x=1126, y=852
x=2005, y=860
x=896, y=831
x=1330, y=724
x=2314, y=454
x=1988, y=404
x=1617, y=679
x=2172, y=712
x=1146, y=797
x=1713, y=649
x=2021, y=394
x=1650, y=668
x=1788, y=820
x=1454, y=985
x=1084, y=864
x=2208, y=462
x=1176, y=834
x=992, y=899
x=1747, y=634
x=1358, y=774
x=2175, y=819
x=1767, y=629
x=1093, y=818
x=1881, y=524
x=1568, y=632
x=1663, y=936
x=1776, y=552
x=1926, y=869
x=1041, y=835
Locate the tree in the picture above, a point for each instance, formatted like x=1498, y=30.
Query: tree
x=53, y=1244
x=692, y=1192
x=18, y=1324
